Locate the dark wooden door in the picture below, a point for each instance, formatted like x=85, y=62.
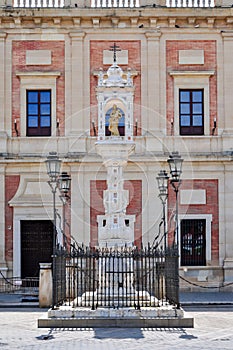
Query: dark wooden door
x=36, y=246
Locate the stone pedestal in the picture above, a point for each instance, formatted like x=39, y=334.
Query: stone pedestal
x=45, y=285
x=116, y=230
x=228, y=270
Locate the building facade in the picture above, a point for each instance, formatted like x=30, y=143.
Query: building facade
x=178, y=56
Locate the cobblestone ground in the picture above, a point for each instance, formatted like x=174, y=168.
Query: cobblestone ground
x=213, y=330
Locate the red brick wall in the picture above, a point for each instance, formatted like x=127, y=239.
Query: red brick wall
x=134, y=62
x=11, y=186
x=134, y=208
x=96, y=208
x=19, y=64
x=211, y=207
x=172, y=63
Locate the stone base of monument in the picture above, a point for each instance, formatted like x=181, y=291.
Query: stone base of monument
x=165, y=316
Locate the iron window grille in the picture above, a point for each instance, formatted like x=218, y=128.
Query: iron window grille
x=193, y=242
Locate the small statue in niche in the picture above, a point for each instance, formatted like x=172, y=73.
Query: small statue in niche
x=114, y=121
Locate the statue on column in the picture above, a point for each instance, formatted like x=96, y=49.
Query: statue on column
x=115, y=116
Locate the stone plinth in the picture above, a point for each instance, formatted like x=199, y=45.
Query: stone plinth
x=228, y=270
x=163, y=317
x=45, y=285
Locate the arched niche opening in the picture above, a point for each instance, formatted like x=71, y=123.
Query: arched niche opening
x=119, y=123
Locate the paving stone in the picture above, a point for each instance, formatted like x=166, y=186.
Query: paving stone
x=213, y=330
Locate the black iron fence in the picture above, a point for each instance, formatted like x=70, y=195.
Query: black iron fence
x=116, y=278
x=18, y=285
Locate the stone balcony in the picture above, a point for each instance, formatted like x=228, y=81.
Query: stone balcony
x=114, y=3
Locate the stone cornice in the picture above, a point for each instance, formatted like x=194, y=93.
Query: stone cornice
x=133, y=72
x=38, y=74
x=147, y=18
x=207, y=73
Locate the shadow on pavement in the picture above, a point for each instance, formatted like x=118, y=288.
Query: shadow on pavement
x=118, y=333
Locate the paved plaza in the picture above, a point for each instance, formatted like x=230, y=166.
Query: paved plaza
x=213, y=330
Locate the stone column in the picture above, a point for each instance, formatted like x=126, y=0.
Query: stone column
x=3, y=267
x=2, y=80
x=227, y=124
x=45, y=285
x=3, y=145
x=77, y=86
x=115, y=227
x=153, y=81
x=228, y=261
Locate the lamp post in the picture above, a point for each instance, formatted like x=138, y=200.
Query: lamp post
x=64, y=182
x=53, y=164
x=61, y=182
x=162, y=180
x=175, y=164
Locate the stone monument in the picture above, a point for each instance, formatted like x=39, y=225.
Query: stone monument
x=115, y=92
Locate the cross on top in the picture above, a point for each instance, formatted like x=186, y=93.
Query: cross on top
x=114, y=48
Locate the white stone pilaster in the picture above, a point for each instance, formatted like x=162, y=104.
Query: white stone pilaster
x=77, y=85
x=227, y=125
x=153, y=69
x=228, y=262
x=2, y=81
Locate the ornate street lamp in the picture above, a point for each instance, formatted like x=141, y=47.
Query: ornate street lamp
x=162, y=180
x=175, y=164
x=64, y=182
x=53, y=164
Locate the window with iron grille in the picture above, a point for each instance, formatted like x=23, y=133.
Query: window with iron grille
x=191, y=112
x=193, y=242
x=38, y=112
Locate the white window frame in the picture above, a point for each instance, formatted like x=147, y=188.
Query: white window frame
x=37, y=81
x=192, y=80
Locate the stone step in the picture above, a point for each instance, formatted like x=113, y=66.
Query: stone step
x=185, y=322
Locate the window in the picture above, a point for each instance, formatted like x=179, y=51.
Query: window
x=38, y=112
x=192, y=81
x=193, y=242
x=191, y=112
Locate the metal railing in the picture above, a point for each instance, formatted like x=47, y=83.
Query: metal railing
x=18, y=285
x=116, y=278
x=190, y=3
x=38, y=3
x=114, y=3
x=111, y=3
